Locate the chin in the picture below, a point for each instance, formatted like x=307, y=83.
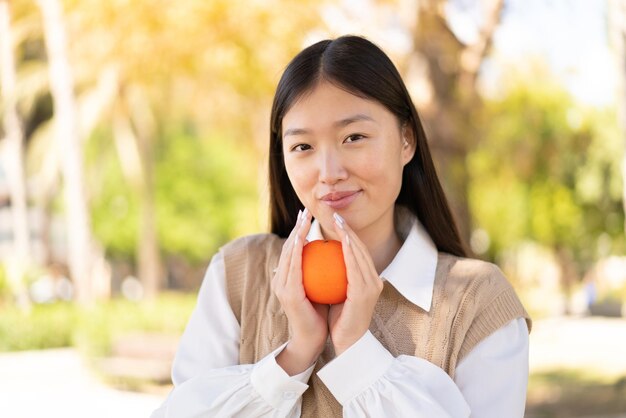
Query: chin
x=328, y=228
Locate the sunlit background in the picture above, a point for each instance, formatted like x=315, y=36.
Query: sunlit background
x=133, y=145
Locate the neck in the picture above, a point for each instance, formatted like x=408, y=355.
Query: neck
x=382, y=250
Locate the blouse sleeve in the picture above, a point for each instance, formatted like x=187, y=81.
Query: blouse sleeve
x=208, y=381
x=493, y=377
x=489, y=382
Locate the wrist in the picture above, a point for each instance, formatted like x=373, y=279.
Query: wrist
x=312, y=346
x=345, y=343
x=339, y=349
x=296, y=357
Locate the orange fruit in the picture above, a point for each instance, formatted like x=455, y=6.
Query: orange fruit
x=324, y=272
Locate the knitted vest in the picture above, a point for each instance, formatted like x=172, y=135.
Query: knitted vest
x=471, y=300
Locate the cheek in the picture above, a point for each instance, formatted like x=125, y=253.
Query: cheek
x=381, y=168
x=300, y=178
x=384, y=173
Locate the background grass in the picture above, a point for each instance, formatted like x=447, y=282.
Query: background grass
x=92, y=330
x=574, y=393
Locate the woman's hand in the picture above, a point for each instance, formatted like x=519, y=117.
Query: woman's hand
x=308, y=322
x=349, y=321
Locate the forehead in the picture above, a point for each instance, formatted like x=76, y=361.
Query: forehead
x=327, y=103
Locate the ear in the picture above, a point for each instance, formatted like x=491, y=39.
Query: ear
x=408, y=143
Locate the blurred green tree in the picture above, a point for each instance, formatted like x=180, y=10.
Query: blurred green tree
x=192, y=62
x=616, y=25
x=143, y=67
x=206, y=194
x=82, y=256
x=548, y=170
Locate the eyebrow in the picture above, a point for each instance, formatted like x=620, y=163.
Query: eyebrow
x=352, y=119
x=339, y=124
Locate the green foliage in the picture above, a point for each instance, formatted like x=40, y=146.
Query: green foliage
x=206, y=194
x=190, y=61
x=43, y=326
x=92, y=330
x=100, y=326
x=115, y=205
x=549, y=171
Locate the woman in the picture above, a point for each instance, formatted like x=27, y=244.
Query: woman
x=424, y=331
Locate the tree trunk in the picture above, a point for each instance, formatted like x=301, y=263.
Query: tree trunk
x=149, y=257
x=569, y=276
x=134, y=143
x=452, y=70
x=14, y=162
x=80, y=246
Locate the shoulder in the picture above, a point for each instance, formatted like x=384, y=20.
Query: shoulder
x=484, y=286
x=470, y=267
x=473, y=272
x=473, y=282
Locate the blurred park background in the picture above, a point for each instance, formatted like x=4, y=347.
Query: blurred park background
x=133, y=144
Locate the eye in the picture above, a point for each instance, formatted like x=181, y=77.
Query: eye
x=354, y=137
x=300, y=147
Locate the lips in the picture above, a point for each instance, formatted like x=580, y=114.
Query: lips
x=340, y=200
x=337, y=195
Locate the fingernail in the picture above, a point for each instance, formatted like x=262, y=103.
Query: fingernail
x=299, y=215
x=339, y=219
x=295, y=242
x=305, y=213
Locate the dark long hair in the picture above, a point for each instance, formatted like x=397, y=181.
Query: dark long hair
x=361, y=68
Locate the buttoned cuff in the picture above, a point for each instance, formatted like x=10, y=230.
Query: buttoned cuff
x=274, y=385
x=357, y=368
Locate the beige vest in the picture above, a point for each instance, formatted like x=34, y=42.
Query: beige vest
x=471, y=300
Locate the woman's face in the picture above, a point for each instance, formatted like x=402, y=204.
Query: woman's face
x=345, y=154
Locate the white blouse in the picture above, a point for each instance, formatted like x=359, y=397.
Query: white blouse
x=366, y=379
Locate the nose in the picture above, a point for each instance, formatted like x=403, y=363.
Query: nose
x=331, y=167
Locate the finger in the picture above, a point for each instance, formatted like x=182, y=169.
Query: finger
x=356, y=244
x=286, y=253
x=363, y=259
x=359, y=249
x=295, y=267
x=355, y=273
x=370, y=274
x=304, y=226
